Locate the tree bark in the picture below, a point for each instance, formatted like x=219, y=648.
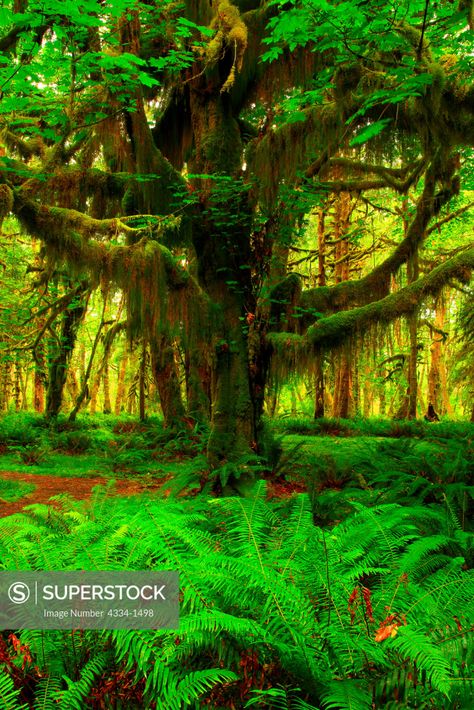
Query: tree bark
x=165, y=374
x=119, y=398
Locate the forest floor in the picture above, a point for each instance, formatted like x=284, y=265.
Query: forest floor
x=48, y=486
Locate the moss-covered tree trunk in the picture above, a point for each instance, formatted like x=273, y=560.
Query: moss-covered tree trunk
x=198, y=384
x=319, y=384
x=413, y=273
x=343, y=396
x=107, y=404
x=222, y=243
x=120, y=394
x=165, y=374
x=38, y=390
x=61, y=351
x=5, y=385
x=17, y=385
x=437, y=377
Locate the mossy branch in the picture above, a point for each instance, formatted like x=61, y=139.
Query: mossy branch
x=377, y=283
x=297, y=351
x=69, y=236
x=335, y=329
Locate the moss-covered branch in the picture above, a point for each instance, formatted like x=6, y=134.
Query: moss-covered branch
x=377, y=283
x=297, y=351
x=73, y=237
x=334, y=329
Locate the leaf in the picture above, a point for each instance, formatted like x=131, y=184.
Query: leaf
x=370, y=131
x=183, y=21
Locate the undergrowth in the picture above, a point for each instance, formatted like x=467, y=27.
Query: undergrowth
x=276, y=612
x=11, y=491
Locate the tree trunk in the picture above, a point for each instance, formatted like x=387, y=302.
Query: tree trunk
x=5, y=388
x=17, y=387
x=86, y=372
x=121, y=383
x=165, y=374
x=413, y=274
x=233, y=424
x=38, y=397
x=198, y=385
x=142, y=383
x=437, y=386
x=223, y=249
x=343, y=398
x=107, y=405
x=318, y=386
x=62, y=351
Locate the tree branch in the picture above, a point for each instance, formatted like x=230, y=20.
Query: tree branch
x=377, y=283
x=340, y=326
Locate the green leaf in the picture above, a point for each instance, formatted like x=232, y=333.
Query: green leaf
x=370, y=131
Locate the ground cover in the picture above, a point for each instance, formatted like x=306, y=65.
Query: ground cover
x=343, y=578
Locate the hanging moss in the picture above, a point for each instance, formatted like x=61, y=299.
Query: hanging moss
x=231, y=36
x=295, y=144
x=291, y=355
x=283, y=298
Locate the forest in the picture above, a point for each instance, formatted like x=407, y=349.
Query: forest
x=237, y=342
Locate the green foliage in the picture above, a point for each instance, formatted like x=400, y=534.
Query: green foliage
x=375, y=427
x=20, y=429
x=263, y=591
x=32, y=455
x=11, y=491
x=370, y=131
x=9, y=694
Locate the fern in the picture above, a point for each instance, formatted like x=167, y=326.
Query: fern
x=414, y=644
x=47, y=693
x=79, y=690
x=262, y=588
x=9, y=694
x=347, y=695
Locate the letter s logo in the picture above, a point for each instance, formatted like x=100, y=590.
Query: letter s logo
x=18, y=592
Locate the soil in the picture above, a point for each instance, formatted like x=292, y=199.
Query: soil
x=79, y=488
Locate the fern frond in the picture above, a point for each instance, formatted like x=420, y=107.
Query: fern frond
x=47, y=693
x=9, y=694
x=414, y=644
x=347, y=695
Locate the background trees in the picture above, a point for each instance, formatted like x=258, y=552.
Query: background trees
x=190, y=162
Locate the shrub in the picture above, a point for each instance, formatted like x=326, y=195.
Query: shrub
x=72, y=442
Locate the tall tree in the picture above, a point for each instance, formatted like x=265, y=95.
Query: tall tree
x=174, y=149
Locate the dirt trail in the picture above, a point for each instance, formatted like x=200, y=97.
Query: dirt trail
x=47, y=486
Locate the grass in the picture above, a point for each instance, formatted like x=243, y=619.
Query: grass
x=11, y=491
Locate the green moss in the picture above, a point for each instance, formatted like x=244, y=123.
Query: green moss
x=231, y=36
x=10, y=491
x=336, y=328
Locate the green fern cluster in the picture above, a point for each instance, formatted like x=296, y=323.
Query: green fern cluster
x=275, y=612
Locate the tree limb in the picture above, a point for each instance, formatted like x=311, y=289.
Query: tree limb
x=340, y=326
